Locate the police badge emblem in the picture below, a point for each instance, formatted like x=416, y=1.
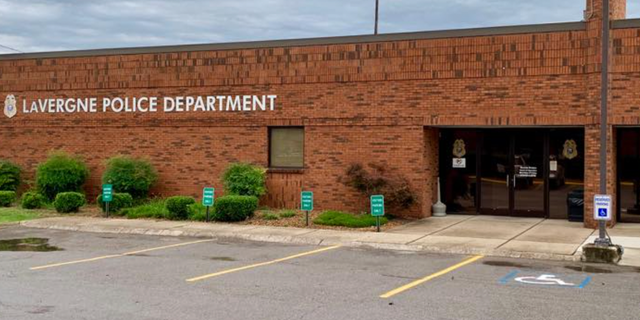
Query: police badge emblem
x=459, y=149
x=10, y=109
x=570, y=150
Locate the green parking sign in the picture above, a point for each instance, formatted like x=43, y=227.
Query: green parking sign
x=208, y=196
x=107, y=193
x=306, y=203
x=377, y=206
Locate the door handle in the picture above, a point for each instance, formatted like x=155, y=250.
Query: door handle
x=514, y=180
x=508, y=177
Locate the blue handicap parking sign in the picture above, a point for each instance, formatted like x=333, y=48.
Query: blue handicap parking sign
x=602, y=212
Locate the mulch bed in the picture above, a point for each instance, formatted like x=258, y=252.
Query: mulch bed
x=299, y=221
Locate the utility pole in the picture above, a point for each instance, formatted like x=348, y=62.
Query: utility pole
x=375, y=28
x=604, y=96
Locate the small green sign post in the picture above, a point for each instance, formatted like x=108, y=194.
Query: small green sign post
x=377, y=209
x=306, y=203
x=208, y=199
x=107, y=196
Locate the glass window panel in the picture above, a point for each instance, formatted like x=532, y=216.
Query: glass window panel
x=287, y=148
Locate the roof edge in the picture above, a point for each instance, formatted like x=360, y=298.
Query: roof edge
x=625, y=24
x=355, y=39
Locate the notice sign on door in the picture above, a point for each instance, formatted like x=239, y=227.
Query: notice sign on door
x=527, y=172
x=460, y=163
x=602, y=207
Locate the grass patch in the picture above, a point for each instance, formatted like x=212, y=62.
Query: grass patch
x=288, y=213
x=15, y=214
x=154, y=209
x=270, y=216
x=344, y=219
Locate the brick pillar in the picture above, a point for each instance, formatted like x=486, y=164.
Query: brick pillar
x=618, y=9
x=431, y=163
x=592, y=171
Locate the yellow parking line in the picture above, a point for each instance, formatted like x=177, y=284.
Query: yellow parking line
x=118, y=255
x=211, y=275
x=429, y=277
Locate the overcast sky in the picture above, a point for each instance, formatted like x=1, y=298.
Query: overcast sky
x=51, y=25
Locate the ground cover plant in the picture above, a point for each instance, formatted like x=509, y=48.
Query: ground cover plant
x=349, y=220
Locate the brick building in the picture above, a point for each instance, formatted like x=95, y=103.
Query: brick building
x=507, y=117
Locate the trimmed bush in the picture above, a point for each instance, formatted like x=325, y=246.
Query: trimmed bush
x=152, y=210
x=61, y=173
x=130, y=175
x=119, y=202
x=69, y=202
x=9, y=176
x=379, y=179
x=234, y=208
x=33, y=200
x=198, y=212
x=344, y=219
x=7, y=198
x=178, y=207
x=243, y=179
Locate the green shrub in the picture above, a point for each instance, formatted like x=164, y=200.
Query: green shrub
x=152, y=210
x=130, y=175
x=9, y=176
x=69, y=202
x=288, y=213
x=378, y=179
x=61, y=173
x=344, y=219
x=270, y=216
x=33, y=200
x=197, y=212
x=119, y=202
x=7, y=198
x=178, y=207
x=243, y=179
x=234, y=208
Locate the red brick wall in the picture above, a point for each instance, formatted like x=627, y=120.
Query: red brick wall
x=372, y=102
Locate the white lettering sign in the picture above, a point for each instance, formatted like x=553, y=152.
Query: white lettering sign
x=242, y=103
x=602, y=207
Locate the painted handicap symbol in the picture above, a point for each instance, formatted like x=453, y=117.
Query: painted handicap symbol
x=545, y=279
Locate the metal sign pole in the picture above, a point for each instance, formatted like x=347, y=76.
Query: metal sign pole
x=604, y=95
x=307, y=214
x=207, y=214
x=375, y=28
x=378, y=224
x=107, y=208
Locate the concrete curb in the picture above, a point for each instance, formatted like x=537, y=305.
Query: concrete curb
x=297, y=236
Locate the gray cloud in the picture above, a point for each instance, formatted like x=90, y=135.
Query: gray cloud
x=49, y=25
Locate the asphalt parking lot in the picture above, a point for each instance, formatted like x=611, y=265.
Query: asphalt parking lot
x=107, y=276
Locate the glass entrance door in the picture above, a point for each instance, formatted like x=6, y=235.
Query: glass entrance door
x=496, y=172
x=512, y=173
x=528, y=183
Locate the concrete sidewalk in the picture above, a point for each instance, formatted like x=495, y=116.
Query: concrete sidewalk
x=457, y=234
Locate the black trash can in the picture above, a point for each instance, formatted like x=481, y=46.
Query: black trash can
x=575, y=205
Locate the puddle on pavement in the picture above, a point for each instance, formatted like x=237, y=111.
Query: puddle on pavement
x=222, y=259
x=603, y=269
x=504, y=264
x=27, y=244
